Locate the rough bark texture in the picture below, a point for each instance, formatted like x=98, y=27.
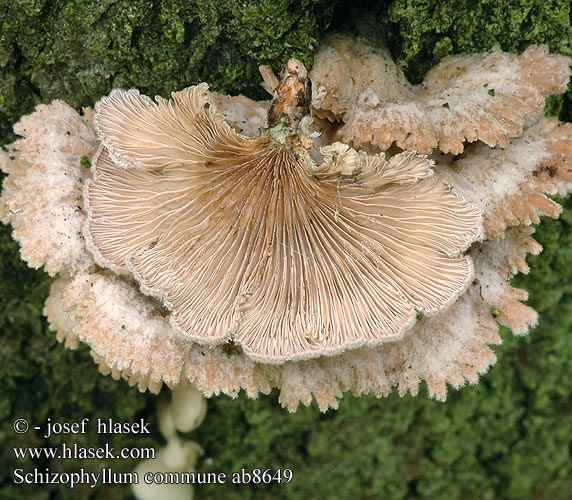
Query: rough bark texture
x=508, y=438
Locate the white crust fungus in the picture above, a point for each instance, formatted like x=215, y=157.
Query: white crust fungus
x=42, y=195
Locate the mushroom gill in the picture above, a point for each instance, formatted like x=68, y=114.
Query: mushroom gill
x=248, y=239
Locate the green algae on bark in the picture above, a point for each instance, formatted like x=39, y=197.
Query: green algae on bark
x=78, y=51
x=433, y=29
x=507, y=438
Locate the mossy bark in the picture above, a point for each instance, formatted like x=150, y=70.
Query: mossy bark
x=78, y=50
x=507, y=438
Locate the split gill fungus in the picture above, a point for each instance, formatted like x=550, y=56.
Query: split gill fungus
x=247, y=239
x=245, y=245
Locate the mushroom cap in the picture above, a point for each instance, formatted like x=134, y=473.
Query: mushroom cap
x=246, y=239
x=485, y=97
x=188, y=407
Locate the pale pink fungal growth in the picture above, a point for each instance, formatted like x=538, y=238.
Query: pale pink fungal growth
x=511, y=185
x=241, y=261
x=486, y=97
x=44, y=187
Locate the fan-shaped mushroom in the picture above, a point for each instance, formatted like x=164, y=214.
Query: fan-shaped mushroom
x=247, y=239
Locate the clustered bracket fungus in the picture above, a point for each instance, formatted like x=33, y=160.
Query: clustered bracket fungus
x=482, y=97
x=239, y=258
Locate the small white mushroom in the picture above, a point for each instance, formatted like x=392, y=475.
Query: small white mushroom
x=188, y=407
x=177, y=455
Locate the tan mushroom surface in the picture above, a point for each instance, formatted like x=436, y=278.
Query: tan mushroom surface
x=246, y=239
